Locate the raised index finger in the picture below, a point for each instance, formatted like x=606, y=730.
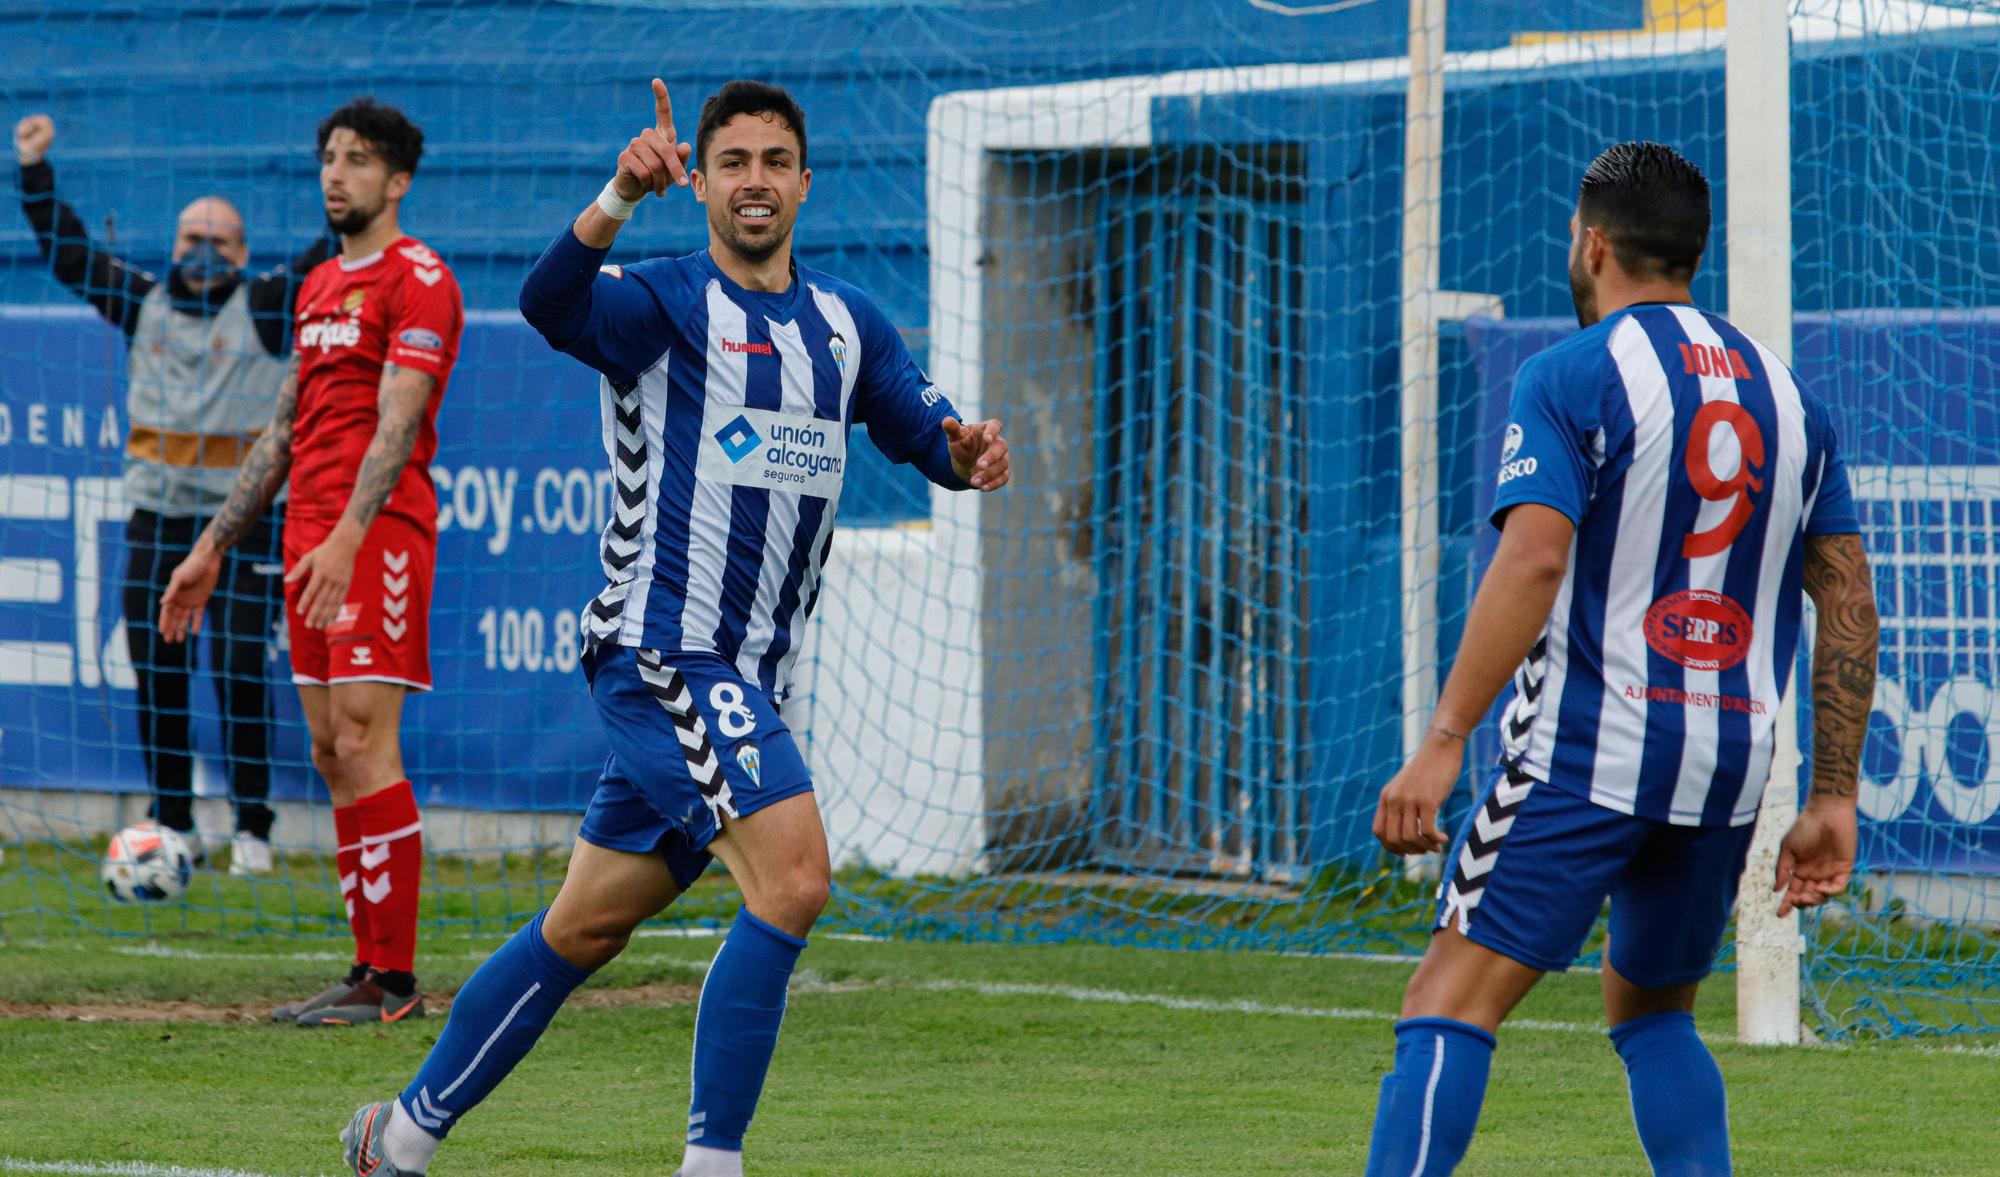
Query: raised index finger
x=663, y=110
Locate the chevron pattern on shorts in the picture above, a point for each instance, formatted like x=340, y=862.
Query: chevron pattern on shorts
x=1495, y=816
x=673, y=694
x=622, y=536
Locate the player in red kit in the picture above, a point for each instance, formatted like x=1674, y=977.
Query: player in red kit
x=355, y=429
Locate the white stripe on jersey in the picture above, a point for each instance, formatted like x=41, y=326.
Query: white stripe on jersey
x=781, y=521
x=1702, y=747
x=840, y=319
x=728, y=384
x=1766, y=677
x=1621, y=729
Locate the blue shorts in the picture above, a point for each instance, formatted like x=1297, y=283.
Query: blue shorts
x=1534, y=864
x=692, y=744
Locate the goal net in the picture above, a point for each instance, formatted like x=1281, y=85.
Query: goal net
x=1146, y=695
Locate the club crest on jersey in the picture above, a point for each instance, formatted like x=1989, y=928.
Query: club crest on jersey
x=1512, y=444
x=751, y=762
x=1700, y=629
x=353, y=301
x=837, y=344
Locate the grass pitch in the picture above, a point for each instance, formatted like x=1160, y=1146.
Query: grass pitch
x=904, y=1059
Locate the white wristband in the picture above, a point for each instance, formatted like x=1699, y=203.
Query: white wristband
x=613, y=205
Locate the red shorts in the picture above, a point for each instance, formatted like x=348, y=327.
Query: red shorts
x=383, y=632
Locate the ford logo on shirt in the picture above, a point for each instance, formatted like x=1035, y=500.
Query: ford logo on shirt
x=419, y=338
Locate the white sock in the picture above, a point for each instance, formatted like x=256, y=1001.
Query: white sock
x=711, y=1162
x=405, y=1143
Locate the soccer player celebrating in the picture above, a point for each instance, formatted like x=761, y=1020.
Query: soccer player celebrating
x=355, y=429
x=1666, y=488
x=731, y=378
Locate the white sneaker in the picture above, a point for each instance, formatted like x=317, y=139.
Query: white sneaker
x=249, y=854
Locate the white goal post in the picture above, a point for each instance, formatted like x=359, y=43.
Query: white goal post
x=1757, y=80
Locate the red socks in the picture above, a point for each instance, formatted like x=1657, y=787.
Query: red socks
x=391, y=862
x=347, y=833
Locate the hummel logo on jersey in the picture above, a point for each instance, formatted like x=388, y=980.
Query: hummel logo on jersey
x=755, y=349
x=428, y=275
x=738, y=439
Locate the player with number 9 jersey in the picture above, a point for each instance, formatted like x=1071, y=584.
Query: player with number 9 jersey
x=1668, y=494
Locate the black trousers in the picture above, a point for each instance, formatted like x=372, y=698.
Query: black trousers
x=241, y=616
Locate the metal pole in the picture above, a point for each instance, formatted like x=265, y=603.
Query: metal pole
x=1423, y=178
x=1758, y=126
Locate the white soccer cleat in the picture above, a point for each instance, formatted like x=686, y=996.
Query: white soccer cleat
x=249, y=855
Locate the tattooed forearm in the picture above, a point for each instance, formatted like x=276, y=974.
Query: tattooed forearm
x=1844, y=659
x=400, y=413
x=262, y=473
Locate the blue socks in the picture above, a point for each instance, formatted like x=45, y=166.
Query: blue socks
x=1677, y=1097
x=495, y=1021
x=1430, y=1102
x=736, y=1029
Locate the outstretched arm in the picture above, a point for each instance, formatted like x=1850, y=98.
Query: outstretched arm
x=1816, y=857
x=274, y=294
x=328, y=568
x=115, y=288
x=557, y=297
x=263, y=472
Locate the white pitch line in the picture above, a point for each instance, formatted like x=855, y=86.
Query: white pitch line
x=117, y=1169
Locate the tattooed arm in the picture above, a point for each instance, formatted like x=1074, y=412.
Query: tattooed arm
x=1844, y=657
x=263, y=472
x=328, y=568
x=1817, y=855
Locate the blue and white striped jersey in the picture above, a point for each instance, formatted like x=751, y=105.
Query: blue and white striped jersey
x=726, y=415
x=1694, y=466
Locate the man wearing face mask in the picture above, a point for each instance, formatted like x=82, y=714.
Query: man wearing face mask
x=204, y=367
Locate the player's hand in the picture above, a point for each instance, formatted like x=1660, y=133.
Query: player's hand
x=1816, y=857
x=978, y=453
x=1406, y=815
x=186, y=598
x=327, y=570
x=32, y=136
x=656, y=159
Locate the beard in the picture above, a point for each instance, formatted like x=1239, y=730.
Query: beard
x=1582, y=293
x=355, y=220
x=753, y=249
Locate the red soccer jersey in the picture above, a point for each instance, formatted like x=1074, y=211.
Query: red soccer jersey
x=401, y=306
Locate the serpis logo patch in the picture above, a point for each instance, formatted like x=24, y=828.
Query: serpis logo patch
x=1700, y=629
x=737, y=439
x=420, y=338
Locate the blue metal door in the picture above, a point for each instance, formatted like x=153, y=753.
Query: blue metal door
x=1199, y=535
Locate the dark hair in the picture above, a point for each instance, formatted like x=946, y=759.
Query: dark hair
x=741, y=97
x=389, y=131
x=1653, y=205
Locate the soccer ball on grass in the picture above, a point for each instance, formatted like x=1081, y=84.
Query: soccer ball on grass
x=147, y=863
